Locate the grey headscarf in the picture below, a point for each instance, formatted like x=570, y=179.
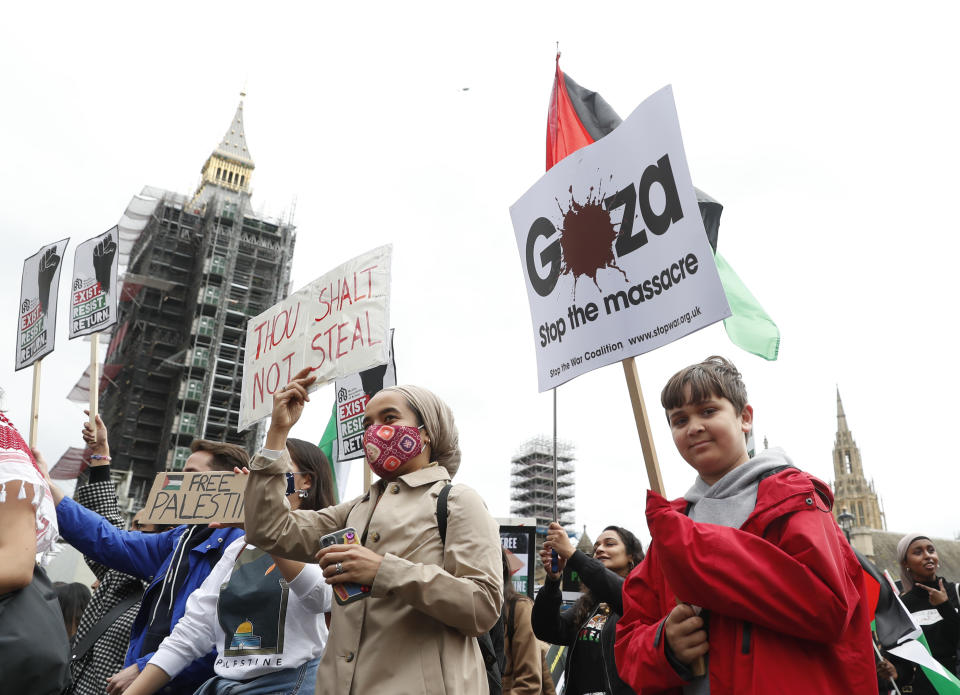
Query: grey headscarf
x=438, y=422
x=902, y=547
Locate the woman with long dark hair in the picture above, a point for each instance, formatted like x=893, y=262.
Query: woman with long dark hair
x=266, y=616
x=589, y=627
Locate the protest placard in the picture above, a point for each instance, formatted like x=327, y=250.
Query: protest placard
x=520, y=543
x=195, y=498
x=337, y=325
x=353, y=393
x=613, y=250
x=37, y=315
x=93, y=292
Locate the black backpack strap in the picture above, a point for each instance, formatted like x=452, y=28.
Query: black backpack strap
x=99, y=627
x=442, y=512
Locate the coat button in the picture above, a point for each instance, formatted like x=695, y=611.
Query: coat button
x=395, y=488
x=809, y=500
x=219, y=540
x=375, y=536
x=349, y=656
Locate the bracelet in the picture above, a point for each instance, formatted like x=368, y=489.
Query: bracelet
x=98, y=457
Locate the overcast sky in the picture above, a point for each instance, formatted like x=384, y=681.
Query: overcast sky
x=828, y=131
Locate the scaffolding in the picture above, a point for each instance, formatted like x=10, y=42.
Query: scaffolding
x=531, y=482
x=205, y=271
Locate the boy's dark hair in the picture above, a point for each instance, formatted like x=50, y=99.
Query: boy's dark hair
x=310, y=459
x=716, y=376
x=226, y=456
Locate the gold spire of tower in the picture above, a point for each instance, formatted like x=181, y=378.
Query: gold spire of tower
x=229, y=167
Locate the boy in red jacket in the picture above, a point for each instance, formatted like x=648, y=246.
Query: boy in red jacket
x=772, y=589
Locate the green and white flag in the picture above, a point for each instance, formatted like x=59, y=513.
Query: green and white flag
x=918, y=651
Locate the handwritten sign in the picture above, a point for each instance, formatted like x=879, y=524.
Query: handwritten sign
x=337, y=325
x=614, y=254
x=195, y=498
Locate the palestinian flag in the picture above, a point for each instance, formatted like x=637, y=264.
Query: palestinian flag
x=897, y=631
x=338, y=470
x=172, y=481
x=578, y=117
x=918, y=651
x=890, y=619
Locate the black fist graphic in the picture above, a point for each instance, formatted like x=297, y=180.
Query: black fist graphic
x=103, y=254
x=49, y=263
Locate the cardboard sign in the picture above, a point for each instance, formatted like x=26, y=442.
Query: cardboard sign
x=93, y=292
x=520, y=543
x=614, y=255
x=337, y=325
x=37, y=316
x=353, y=394
x=195, y=498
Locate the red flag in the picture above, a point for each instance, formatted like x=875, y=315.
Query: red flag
x=565, y=132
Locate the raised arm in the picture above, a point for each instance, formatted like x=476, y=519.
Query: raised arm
x=138, y=554
x=605, y=585
x=269, y=522
x=549, y=624
x=99, y=493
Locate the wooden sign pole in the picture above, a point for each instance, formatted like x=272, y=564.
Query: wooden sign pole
x=35, y=405
x=699, y=666
x=94, y=379
x=366, y=475
x=643, y=425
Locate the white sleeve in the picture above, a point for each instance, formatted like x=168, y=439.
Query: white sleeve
x=314, y=593
x=195, y=634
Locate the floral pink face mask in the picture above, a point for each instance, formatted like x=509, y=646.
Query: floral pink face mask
x=390, y=446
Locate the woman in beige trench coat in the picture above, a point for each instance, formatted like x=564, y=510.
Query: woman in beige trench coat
x=414, y=633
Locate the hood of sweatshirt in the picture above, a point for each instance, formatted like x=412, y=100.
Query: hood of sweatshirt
x=730, y=500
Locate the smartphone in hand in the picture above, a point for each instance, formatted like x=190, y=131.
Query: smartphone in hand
x=348, y=591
